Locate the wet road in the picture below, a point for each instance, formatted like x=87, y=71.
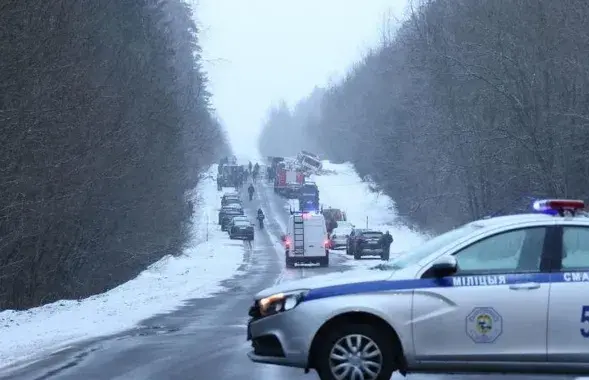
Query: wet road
x=205, y=339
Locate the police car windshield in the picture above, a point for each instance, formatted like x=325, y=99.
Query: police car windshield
x=431, y=246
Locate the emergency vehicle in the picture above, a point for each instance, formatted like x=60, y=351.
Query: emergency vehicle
x=503, y=295
x=288, y=181
x=306, y=239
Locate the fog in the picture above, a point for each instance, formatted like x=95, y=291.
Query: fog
x=259, y=52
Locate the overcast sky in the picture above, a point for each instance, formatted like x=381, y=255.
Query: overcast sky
x=260, y=51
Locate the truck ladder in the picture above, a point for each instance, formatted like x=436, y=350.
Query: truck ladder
x=298, y=234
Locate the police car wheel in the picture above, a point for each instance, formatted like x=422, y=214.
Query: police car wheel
x=355, y=351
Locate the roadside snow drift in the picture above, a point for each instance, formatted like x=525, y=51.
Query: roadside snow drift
x=209, y=258
x=342, y=188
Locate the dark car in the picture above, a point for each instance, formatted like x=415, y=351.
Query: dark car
x=233, y=209
x=236, y=219
x=230, y=198
x=365, y=243
x=228, y=216
x=241, y=229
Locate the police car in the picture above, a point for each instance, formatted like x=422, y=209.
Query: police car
x=508, y=294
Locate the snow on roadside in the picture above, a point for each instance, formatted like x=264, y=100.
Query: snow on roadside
x=160, y=288
x=344, y=189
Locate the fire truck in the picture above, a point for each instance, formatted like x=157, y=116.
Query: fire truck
x=288, y=181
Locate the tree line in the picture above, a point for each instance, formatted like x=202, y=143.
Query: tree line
x=106, y=124
x=473, y=108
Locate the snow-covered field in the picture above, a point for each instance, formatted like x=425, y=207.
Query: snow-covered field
x=161, y=288
x=344, y=189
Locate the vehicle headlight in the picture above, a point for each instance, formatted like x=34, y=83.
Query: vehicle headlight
x=280, y=302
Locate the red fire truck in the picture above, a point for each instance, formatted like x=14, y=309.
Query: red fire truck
x=288, y=181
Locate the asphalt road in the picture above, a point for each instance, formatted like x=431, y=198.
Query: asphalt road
x=205, y=339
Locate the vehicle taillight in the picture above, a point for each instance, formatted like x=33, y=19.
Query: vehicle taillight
x=327, y=244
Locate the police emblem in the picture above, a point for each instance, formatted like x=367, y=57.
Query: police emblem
x=484, y=325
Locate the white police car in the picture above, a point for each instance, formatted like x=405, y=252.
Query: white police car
x=508, y=294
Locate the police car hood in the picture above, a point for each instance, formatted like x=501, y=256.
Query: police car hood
x=333, y=279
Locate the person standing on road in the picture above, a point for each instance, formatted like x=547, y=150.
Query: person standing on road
x=386, y=240
x=251, y=191
x=250, y=167
x=331, y=225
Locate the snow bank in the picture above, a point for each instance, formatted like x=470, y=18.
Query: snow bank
x=161, y=288
x=341, y=187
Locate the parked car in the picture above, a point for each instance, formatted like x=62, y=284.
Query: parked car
x=241, y=229
x=366, y=243
x=350, y=242
x=339, y=237
x=228, y=217
x=230, y=198
x=237, y=219
x=233, y=209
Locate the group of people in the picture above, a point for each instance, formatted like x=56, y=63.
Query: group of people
x=238, y=178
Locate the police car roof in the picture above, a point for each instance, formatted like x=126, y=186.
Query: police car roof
x=526, y=218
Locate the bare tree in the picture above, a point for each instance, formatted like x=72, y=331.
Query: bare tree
x=105, y=125
x=474, y=107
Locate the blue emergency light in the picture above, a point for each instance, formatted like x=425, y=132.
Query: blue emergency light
x=558, y=206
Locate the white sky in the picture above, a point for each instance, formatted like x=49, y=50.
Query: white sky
x=260, y=51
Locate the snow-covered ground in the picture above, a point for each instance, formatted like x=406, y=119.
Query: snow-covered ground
x=343, y=188
x=161, y=288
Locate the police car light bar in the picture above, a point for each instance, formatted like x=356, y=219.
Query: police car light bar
x=559, y=205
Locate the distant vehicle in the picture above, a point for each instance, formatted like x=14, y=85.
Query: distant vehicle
x=230, y=209
x=306, y=240
x=339, y=236
x=229, y=175
x=345, y=225
x=367, y=243
x=288, y=182
x=351, y=239
x=237, y=219
x=230, y=198
x=503, y=295
x=309, y=161
x=228, y=216
x=241, y=228
x=308, y=196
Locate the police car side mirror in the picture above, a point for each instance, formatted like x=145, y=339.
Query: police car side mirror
x=444, y=266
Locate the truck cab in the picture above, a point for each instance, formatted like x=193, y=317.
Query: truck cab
x=306, y=240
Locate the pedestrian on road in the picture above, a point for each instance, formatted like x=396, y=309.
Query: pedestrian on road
x=385, y=241
x=251, y=191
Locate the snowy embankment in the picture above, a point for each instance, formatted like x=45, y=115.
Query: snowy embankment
x=343, y=188
x=161, y=288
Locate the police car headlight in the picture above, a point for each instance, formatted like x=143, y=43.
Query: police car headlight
x=280, y=302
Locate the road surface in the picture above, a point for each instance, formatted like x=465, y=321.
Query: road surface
x=206, y=338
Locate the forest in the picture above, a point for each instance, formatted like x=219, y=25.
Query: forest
x=471, y=109
x=106, y=126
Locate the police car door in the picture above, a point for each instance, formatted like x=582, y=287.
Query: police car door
x=568, y=324
x=493, y=309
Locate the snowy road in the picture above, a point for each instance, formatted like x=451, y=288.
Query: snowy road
x=205, y=339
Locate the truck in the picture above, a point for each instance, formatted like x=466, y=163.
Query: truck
x=288, y=182
x=229, y=174
x=308, y=197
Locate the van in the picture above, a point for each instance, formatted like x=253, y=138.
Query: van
x=306, y=240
